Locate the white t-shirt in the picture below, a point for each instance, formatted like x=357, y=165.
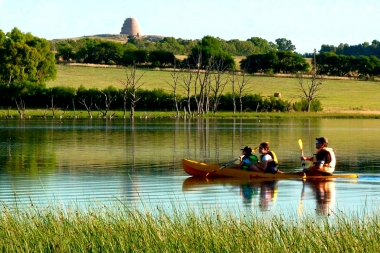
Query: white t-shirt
x=267, y=157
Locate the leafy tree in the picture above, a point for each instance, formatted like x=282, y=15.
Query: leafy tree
x=208, y=52
x=161, y=58
x=25, y=57
x=263, y=45
x=289, y=62
x=285, y=45
x=170, y=44
x=134, y=57
x=110, y=52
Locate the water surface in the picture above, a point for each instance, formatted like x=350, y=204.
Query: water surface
x=139, y=163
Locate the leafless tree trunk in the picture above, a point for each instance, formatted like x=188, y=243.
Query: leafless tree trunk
x=232, y=79
x=203, y=81
x=88, y=107
x=63, y=113
x=131, y=85
x=53, y=107
x=175, y=74
x=20, y=107
x=75, y=113
x=309, y=90
x=220, y=82
x=242, y=83
x=187, y=81
x=107, y=100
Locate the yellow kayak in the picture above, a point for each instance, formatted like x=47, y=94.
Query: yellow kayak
x=201, y=169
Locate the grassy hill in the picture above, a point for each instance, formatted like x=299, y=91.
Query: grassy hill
x=336, y=95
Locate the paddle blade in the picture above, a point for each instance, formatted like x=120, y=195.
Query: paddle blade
x=300, y=144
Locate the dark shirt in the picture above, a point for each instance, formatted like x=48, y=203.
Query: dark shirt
x=324, y=156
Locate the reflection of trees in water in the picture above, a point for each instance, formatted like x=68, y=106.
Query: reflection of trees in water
x=27, y=152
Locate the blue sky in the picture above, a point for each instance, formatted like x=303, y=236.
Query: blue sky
x=308, y=24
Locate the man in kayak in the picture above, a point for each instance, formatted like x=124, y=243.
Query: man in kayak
x=247, y=159
x=323, y=161
x=269, y=160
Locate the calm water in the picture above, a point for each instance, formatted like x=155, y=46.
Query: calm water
x=101, y=161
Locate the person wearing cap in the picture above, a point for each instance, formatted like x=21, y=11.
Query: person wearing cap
x=247, y=159
x=324, y=160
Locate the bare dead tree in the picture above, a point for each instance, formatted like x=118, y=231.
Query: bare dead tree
x=45, y=112
x=241, y=83
x=232, y=79
x=310, y=89
x=131, y=85
x=202, y=81
x=175, y=74
x=63, y=113
x=187, y=81
x=107, y=101
x=20, y=107
x=75, y=112
x=220, y=81
x=53, y=106
x=88, y=107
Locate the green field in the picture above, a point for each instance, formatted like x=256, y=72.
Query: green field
x=336, y=95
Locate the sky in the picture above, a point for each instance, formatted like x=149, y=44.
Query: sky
x=308, y=24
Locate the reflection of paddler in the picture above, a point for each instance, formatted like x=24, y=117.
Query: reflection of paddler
x=325, y=195
x=247, y=191
x=268, y=193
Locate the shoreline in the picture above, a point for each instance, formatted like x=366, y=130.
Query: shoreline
x=118, y=114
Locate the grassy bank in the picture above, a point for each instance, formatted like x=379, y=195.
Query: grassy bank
x=120, y=229
x=336, y=95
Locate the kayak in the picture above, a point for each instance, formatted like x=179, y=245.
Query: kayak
x=200, y=169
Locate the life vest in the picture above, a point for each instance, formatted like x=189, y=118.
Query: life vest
x=328, y=167
x=274, y=162
x=248, y=161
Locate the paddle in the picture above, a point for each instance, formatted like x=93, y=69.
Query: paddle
x=222, y=167
x=227, y=164
x=301, y=147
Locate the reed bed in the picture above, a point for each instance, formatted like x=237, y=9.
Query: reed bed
x=118, y=228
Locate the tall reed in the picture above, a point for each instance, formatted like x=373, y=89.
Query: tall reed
x=118, y=228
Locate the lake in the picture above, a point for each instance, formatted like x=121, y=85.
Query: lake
x=82, y=162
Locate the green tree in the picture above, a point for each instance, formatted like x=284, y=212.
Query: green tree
x=285, y=45
x=289, y=62
x=25, y=57
x=263, y=45
x=161, y=58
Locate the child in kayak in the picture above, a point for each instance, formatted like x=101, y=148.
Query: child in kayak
x=247, y=159
x=269, y=160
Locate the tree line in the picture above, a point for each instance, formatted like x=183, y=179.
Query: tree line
x=103, y=103
x=363, y=49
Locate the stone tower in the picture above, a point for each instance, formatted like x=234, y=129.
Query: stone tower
x=130, y=27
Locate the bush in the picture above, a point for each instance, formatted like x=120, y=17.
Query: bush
x=302, y=105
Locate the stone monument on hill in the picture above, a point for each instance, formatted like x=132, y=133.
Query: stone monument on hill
x=130, y=27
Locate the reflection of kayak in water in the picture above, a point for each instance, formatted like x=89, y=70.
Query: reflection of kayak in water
x=195, y=183
x=264, y=189
x=195, y=168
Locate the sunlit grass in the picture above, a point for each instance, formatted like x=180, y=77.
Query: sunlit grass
x=336, y=95
x=119, y=228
